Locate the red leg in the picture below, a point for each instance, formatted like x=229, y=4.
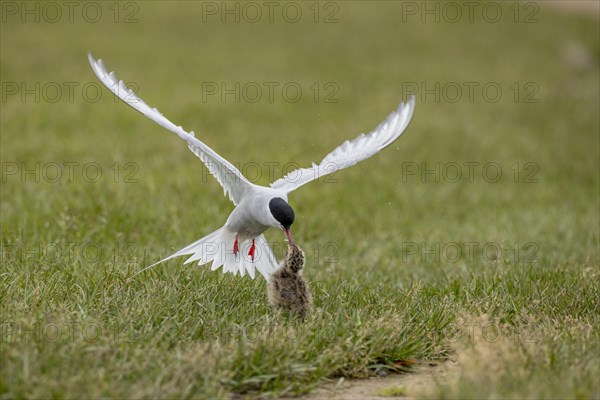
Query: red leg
x=236, y=246
x=252, y=250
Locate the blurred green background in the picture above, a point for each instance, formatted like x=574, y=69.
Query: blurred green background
x=513, y=85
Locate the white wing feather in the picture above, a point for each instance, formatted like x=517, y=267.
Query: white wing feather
x=232, y=180
x=352, y=152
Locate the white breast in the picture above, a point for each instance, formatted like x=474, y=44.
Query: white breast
x=252, y=216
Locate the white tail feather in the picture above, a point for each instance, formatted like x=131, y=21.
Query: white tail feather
x=218, y=248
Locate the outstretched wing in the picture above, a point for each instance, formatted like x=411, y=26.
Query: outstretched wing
x=351, y=152
x=229, y=176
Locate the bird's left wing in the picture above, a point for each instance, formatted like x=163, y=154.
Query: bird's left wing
x=351, y=152
x=229, y=176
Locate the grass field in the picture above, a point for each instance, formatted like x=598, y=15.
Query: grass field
x=474, y=237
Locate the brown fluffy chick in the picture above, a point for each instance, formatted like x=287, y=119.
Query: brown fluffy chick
x=288, y=291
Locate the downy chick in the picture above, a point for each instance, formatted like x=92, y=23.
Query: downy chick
x=288, y=291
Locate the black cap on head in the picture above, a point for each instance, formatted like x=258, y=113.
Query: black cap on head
x=282, y=212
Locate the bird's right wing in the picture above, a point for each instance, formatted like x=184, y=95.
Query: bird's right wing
x=232, y=180
x=352, y=151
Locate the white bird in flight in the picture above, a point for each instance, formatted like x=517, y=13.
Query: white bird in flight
x=240, y=246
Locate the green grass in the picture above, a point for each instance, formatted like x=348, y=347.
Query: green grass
x=393, y=391
x=73, y=326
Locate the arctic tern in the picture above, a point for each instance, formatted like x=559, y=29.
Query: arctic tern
x=240, y=246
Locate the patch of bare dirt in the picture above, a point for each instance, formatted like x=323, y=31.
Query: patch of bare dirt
x=405, y=385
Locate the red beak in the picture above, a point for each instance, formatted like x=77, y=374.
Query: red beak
x=288, y=233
